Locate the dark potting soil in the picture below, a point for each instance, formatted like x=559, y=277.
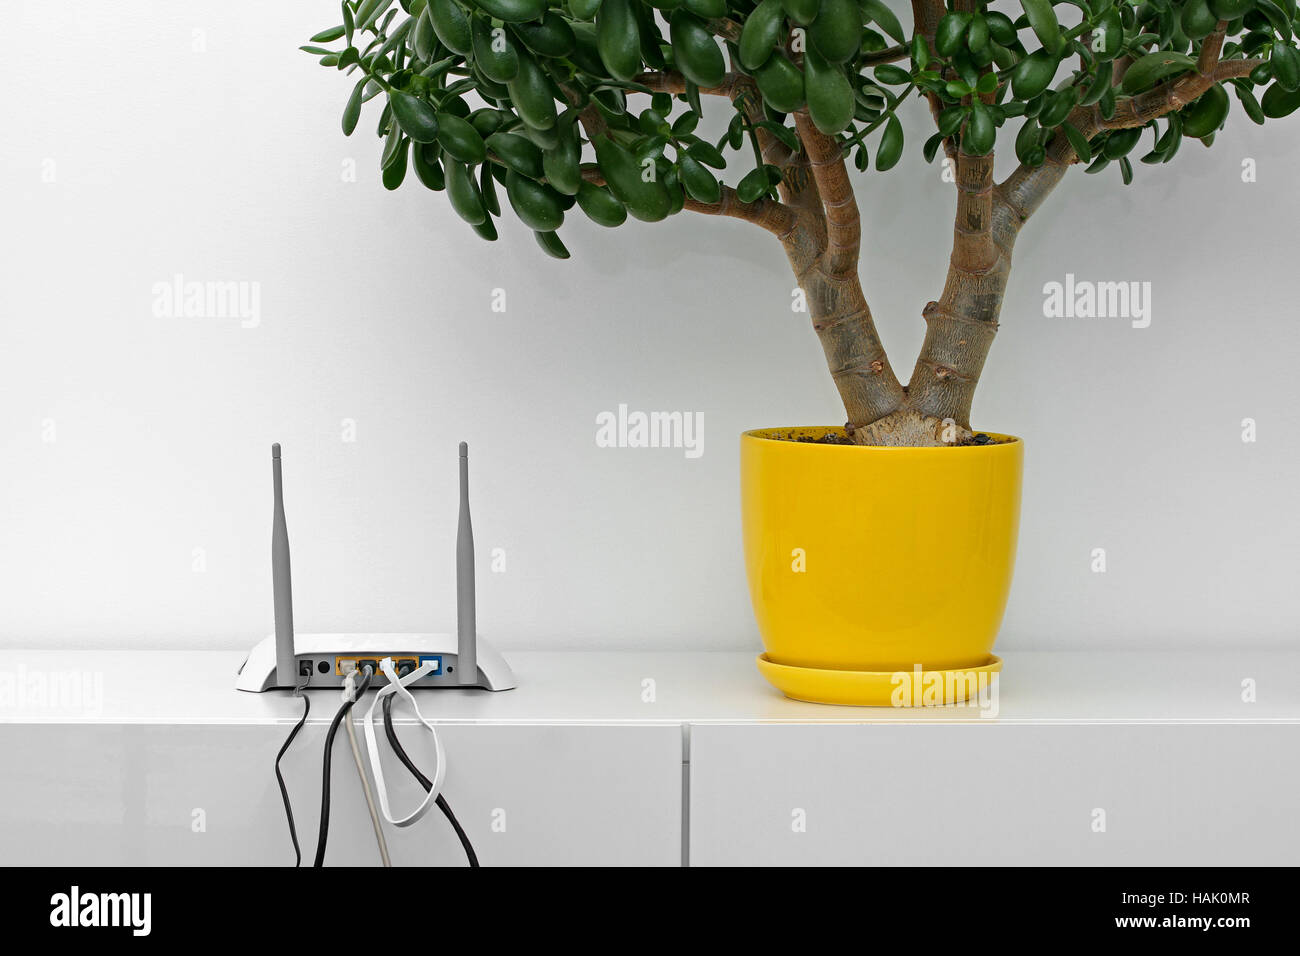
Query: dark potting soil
x=830, y=438
x=836, y=438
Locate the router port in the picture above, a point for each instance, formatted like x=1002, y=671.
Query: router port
x=304, y=668
x=343, y=666
x=367, y=662
x=434, y=659
x=405, y=665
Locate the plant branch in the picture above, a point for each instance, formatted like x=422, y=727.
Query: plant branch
x=843, y=223
x=1020, y=194
x=888, y=55
x=776, y=217
x=771, y=150
x=926, y=15
x=973, y=249
x=890, y=107
x=824, y=254
x=855, y=356
x=593, y=124
x=1173, y=96
x=960, y=326
x=670, y=81
x=733, y=86
x=725, y=28
x=1024, y=190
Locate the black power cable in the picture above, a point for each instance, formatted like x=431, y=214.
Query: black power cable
x=425, y=782
x=284, y=791
x=323, y=837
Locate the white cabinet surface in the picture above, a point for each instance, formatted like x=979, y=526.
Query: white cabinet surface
x=145, y=794
x=652, y=758
x=973, y=795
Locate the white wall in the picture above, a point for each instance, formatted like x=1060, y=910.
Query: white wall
x=227, y=164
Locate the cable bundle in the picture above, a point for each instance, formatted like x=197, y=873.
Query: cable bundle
x=397, y=684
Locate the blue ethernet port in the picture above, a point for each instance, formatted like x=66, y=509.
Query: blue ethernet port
x=435, y=659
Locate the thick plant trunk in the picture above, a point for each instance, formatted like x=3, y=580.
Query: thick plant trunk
x=825, y=261
x=867, y=384
x=935, y=407
x=823, y=244
x=961, y=325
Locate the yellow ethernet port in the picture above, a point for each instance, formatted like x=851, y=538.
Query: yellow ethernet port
x=343, y=666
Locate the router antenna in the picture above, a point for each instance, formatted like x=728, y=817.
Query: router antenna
x=466, y=636
x=280, y=581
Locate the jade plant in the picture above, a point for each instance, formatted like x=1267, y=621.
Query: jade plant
x=599, y=104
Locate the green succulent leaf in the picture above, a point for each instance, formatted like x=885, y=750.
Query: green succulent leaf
x=1153, y=67
x=551, y=245
x=752, y=186
x=1078, y=142
x=600, y=205
x=418, y=119
x=512, y=11
x=604, y=104
x=1042, y=20
x=980, y=132
x=760, y=33
x=890, y=149
x=1285, y=63
x=352, y=111
x=882, y=15
x=698, y=55
x=329, y=36
x=837, y=32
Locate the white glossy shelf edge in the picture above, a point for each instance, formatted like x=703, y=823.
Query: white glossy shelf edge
x=670, y=687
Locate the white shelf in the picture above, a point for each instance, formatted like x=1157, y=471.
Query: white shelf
x=659, y=758
x=197, y=687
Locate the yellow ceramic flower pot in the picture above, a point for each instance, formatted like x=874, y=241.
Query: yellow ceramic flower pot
x=878, y=573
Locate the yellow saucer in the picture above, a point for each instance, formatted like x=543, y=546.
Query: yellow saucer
x=879, y=688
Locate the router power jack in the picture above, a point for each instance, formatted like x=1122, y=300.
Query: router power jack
x=304, y=668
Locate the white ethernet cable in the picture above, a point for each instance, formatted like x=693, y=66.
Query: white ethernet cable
x=349, y=693
x=398, y=685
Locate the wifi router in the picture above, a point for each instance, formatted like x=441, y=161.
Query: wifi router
x=284, y=660
x=323, y=660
